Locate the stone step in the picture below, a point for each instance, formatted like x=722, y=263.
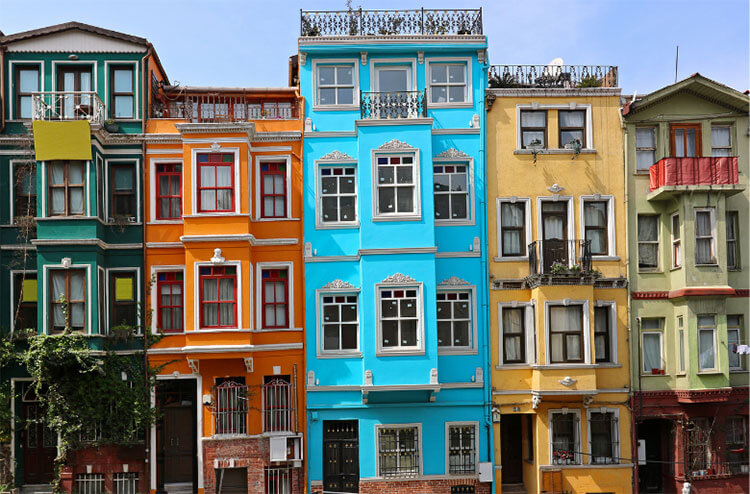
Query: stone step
x=513, y=489
x=179, y=488
x=36, y=488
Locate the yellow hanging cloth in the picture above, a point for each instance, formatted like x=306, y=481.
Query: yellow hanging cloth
x=62, y=140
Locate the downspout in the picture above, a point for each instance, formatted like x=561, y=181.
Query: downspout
x=2, y=86
x=144, y=80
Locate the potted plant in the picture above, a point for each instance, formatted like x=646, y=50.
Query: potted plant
x=111, y=126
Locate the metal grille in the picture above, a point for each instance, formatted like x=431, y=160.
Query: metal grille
x=392, y=105
x=390, y=22
x=559, y=76
x=68, y=105
x=603, y=438
x=125, y=482
x=278, y=405
x=398, y=451
x=89, y=483
x=699, y=447
x=278, y=480
x=554, y=257
x=461, y=452
x=462, y=489
x=218, y=107
x=230, y=408
x=565, y=440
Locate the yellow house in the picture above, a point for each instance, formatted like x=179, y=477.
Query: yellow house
x=558, y=263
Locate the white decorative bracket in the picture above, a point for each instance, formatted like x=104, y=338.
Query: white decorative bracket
x=368, y=377
x=481, y=56
x=66, y=262
x=215, y=147
x=308, y=249
x=194, y=365
x=310, y=379
x=433, y=376
x=308, y=125
x=218, y=258
x=587, y=400
x=399, y=278
x=420, y=57
x=474, y=124
x=302, y=58
x=476, y=247
x=363, y=56
x=248, y=364
x=480, y=375
x=567, y=381
x=338, y=284
x=536, y=400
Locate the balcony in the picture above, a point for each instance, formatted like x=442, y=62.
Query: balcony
x=670, y=177
x=68, y=105
x=431, y=22
x=561, y=262
x=392, y=105
x=552, y=76
x=218, y=107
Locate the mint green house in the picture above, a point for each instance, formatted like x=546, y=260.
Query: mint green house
x=686, y=149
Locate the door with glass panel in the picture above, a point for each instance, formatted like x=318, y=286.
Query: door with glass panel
x=685, y=140
x=554, y=234
x=75, y=86
x=392, y=84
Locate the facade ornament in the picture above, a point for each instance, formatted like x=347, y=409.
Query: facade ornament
x=194, y=365
x=368, y=377
x=567, y=381
x=302, y=58
x=453, y=281
x=248, y=364
x=555, y=189
x=476, y=247
x=66, y=262
x=395, y=144
x=481, y=56
x=310, y=379
x=686, y=488
x=337, y=156
x=433, y=376
x=536, y=400
x=453, y=153
x=215, y=147
x=587, y=400
x=420, y=57
x=308, y=125
x=474, y=124
x=308, y=249
x=489, y=99
x=399, y=278
x=363, y=56
x=217, y=258
x=338, y=284
x=480, y=375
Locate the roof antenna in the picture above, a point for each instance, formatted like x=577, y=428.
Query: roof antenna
x=676, y=62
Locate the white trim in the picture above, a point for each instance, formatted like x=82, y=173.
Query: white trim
x=565, y=107
x=529, y=333
x=259, y=267
x=136, y=85
x=471, y=349
x=419, y=349
x=611, y=237
x=714, y=330
x=469, y=102
x=471, y=216
x=319, y=294
x=137, y=185
x=579, y=438
x=152, y=191
x=420, y=451
x=267, y=347
x=676, y=263
x=660, y=333
x=615, y=432
x=585, y=328
x=236, y=189
x=331, y=225
x=288, y=179
x=527, y=219
x=45, y=292
x=415, y=215
x=101, y=289
x=13, y=302
x=613, y=334
x=155, y=270
x=86, y=190
x=238, y=295
x=94, y=72
x=446, y=446
x=12, y=86
x=355, y=82
x=136, y=288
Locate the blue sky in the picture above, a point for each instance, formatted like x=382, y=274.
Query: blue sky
x=247, y=43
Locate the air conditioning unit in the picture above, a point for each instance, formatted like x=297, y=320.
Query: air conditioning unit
x=286, y=448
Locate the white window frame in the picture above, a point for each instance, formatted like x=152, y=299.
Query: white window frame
x=714, y=253
x=448, y=426
x=676, y=242
x=714, y=330
x=653, y=129
x=470, y=214
x=101, y=200
x=195, y=199
x=472, y=347
x=660, y=333
x=682, y=362
x=155, y=270
x=385, y=63
x=153, y=189
x=413, y=425
x=579, y=439
x=136, y=86
x=335, y=225
x=611, y=236
x=585, y=327
x=571, y=106
x=527, y=220
x=738, y=329
x=612, y=307
x=45, y=293
x=107, y=295
x=657, y=242
x=13, y=111
x=328, y=62
x=13, y=300
x=529, y=330
x=467, y=63
x=259, y=267
x=616, y=434
x=731, y=139
x=324, y=292
x=240, y=298
x=137, y=185
x=288, y=179
x=415, y=215
x=45, y=189
x=571, y=221
x=12, y=166
x=419, y=349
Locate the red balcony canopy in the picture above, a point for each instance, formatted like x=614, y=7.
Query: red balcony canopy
x=693, y=171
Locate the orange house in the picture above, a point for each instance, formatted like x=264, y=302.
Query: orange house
x=223, y=188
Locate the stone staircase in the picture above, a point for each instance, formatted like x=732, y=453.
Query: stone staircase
x=512, y=489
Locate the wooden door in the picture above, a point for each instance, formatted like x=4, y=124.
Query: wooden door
x=554, y=234
x=340, y=456
x=75, y=80
x=179, y=444
x=39, y=448
x=510, y=449
x=685, y=140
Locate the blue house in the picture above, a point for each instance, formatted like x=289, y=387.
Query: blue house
x=396, y=277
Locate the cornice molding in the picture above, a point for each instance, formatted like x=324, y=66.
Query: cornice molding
x=338, y=284
x=453, y=281
x=336, y=156
x=394, y=144
x=399, y=278
x=453, y=153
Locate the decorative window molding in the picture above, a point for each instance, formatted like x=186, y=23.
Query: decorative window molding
x=337, y=156
x=440, y=62
x=453, y=154
x=588, y=138
x=336, y=195
x=525, y=228
x=528, y=337
x=400, y=291
x=338, y=285
x=394, y=144
x=611, y=307
x=398, y=278
x=238, y=295
x=451, y=293
x=337, y=316
x=170, y=279
x=173, y=170
x=352, y=63
x=611, y=250
x=453, y=281
x=259, y=268
x=236, y=189
x=109, y=165
x=447, y=172
x=259, y=160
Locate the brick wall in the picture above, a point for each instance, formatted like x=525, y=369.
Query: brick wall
x=442, y=486
x=106, y=460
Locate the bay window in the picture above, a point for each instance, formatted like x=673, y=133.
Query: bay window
x=603, y=334
x=732, y=221
x=454, y=319
x=24, y=200
x=67, y=300
x=707, y=342
x=566, y=333
x=66, y=188
x=648, y=241
x=25, y=301
x=651, y=344
x=122, y=191
x=122, y=299
x=645, y=148
x=340, y=324
x=400, y=318
x=676, y=242
x=705, y=242
x=451, y=189
x=338, y=194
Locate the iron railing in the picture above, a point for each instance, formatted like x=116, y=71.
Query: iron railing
x=560, y=257
x=552, y=76
x=278, y=406
x=68, y=105
x=390, y=22
x=218, y=108
x=89, y=483
x=230, y=408
x=392, y=105
x=125, y=483
x=278, y=480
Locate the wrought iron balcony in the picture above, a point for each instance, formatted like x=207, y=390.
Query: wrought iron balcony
x=390, y=22
x=693, y=171
x=67, y=105
x=392, y=105
x=218, y=107
x=552, y=76
x=563, y=258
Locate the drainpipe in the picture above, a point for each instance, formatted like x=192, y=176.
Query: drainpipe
x=146, y=301
x=2, y=86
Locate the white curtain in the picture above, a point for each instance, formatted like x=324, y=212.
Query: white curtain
x=595, y=214
x=269, y=297
x=58, y=291
x=679, y=143
x=512, y=329
x=533, y=118
x=690, y=137
x=512, y=216
x=703, y=245
x=208, y=197
x=571, y=118
x=226, y=293
x=210, y=311
x=57, y=177
x=553, y=228
x=651, y=351
x=720, y=137
x=707, y=351
x=647, y=232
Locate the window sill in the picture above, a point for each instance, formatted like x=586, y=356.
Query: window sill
x=643, y=173
x=459, y=351
x=511, y=259
x=609, y=365
x=707, y=265
x=555, y=151
x=337, y=226
x=737, y=370
x=215, y=215
x=275, y=330
x=454, y=223
x=335, y=107
x=643, y=374
x=563, y=366
x=338, y=355
x=734, y=270
x=709, y=372
x=399, y=353
x=166, y=222
x=605, y=258
x=674, y=268
x=263, y=220
x=513, y=366
x=438, y=106
x=398, y=218
x=650, y=271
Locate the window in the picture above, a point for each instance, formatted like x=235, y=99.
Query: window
x=278, y=480
x=603, y=334
x=451, y=186
x=705, y=248
x=686, y=140
x=275, y=298
x=218, y=296
x=721, y=141
x=398, y=451
x=648, y=241
x=566, y=443
x=340, y=323
x=24, y=310
x=231, y=405
x=67, y=300
x=737, y=450
x=122, y=97
x=122, y=191
x=122, y=299
x=396, y=185
x=215, y=182
x=514, y=335
x=734, y=338
x=681, y=342
x=572, y=127
x=66, y=188
x=645, y=148
x=454, y=319
x=566, y=333
x=170, y=305
x=604, y=433
x=168, y=191
x=595, y=220
x=462, y=448
x=399, y=318
x=707, y=342
x=513, y=228
x=100, y=194
x=448, y=83
x=335, y=84
x=533, y=128
x=699, y=442
x=676, y=245
x=278, y=410
x=26, y=83
x=651, y=334
x=273, y=189
x=732, y=220
x=25, y=190
x=338, y=194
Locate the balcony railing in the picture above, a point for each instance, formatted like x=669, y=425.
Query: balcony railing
x=552, y=76
x=279, y=406
x=68, y=105
x=390, y=22
x=219, y=108
x=693, y=171
x=392, y=105
x=560, y=257
x=230, y=402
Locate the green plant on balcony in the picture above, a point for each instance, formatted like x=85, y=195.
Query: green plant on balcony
x=589, y=81
x=308, y=29
x=506, y=80
x=559, y=268
x=111, y=126
x=395, y=24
